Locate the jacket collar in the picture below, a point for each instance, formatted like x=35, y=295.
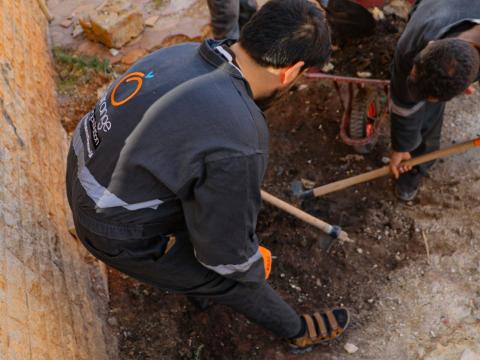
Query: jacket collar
x=208, y=53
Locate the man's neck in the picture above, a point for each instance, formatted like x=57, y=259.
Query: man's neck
x=261, y=81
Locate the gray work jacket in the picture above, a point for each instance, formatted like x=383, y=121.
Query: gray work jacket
x=178, y=135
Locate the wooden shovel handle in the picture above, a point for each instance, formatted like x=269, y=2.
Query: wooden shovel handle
x=302, y=215
x=384, y=171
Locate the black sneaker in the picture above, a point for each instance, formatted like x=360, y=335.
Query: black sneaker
x=406, y=187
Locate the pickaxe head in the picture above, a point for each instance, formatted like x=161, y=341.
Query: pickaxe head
x=299, y=191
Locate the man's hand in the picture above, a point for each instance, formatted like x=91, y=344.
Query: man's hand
x=395, y=159
x=470, y=90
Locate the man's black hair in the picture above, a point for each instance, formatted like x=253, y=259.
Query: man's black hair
x=284, y=32
x=444, y=69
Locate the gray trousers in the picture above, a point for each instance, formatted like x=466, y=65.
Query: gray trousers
x=431, y=133
x=179, y=271
x=228, y=16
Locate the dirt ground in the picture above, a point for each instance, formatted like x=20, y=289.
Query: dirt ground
x=371, y=54
x=401, y=305
x=398, y=300
x=405, y=304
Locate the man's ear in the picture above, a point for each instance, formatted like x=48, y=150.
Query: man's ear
x=290, y=73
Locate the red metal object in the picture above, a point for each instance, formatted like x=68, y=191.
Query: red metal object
x=377, y=3
x=379, y=114
x=371, y=3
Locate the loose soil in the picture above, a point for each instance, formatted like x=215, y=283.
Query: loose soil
x=366, y=276
x=388, y=240
x=371, y=54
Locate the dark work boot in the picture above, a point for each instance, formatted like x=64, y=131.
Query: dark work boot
x=406, y=187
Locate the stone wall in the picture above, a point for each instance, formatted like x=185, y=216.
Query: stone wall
x=53, y=296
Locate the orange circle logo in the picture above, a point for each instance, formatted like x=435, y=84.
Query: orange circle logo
x=135, y=76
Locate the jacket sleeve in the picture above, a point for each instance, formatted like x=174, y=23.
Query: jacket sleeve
x=406, y=114
x=221, y=215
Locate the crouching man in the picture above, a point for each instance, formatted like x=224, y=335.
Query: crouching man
x=164, y=173
x=437, y=58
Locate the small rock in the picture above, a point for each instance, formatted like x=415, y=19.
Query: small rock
x=359, y=250
x=114, y=52
x=364, y=74
x=378, y=14
x=295, y=287
x=77, y=30
x=66, y=23
x=151, y=21
x=302, y=87
x=318, y=282
x=350, y=348
x=114, y=23
x=112, y=321
x=327, y=68
x=386, y=160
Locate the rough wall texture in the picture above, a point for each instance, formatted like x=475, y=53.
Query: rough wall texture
x=52, y=295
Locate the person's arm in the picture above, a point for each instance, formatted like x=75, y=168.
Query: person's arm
x=406, y=117
x=221, y=215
